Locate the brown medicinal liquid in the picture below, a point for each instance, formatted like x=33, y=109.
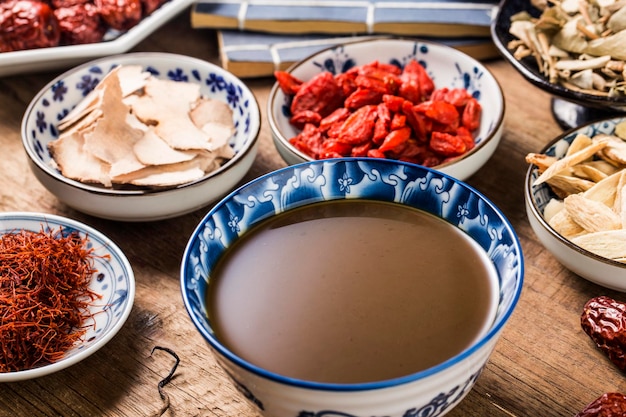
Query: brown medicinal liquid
x=352, y=292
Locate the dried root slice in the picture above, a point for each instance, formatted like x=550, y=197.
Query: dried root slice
x=540, y=160
x=136, y=129
x=564, y=185
x=571, y=160
x=610, y=244
x=614, y=151
x=591, y=215
x=564, y=225
x=590, y=183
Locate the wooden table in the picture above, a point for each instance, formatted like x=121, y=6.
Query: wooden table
x=544, y=365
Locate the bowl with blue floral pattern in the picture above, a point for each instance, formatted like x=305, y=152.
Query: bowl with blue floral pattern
x=577, y=246
x=109, y=279
x=41, y=128
x=433, y=391
x=435, y=137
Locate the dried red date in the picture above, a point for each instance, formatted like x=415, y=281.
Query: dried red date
x=604, y=320
x=120, y=14
x=80, y=24
x=611, y=404
x=27, y=24
x=32, y=24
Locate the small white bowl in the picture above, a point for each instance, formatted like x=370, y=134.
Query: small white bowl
x=430, y=392
x=446, y=66
x=114, y=281
x=597, y=269
x=39, y=127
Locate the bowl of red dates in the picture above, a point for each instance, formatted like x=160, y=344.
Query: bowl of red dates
x=403, y=99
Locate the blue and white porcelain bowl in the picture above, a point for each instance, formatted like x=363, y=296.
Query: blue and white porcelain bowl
x=448, y=67
x=432, y=392
x=597, y=269
x=114, y=282
x=39, y=127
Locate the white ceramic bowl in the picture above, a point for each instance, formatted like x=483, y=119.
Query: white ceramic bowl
x=114, y=281
x=39, y=127
x=434, y=391
x=600, y=270
x=446, y=66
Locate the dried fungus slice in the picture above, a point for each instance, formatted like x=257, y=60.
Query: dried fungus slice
x=69, y=155
x=166, y=105
x=215, y=118
x=163, y=175
x=152, y=150
x=136, y=129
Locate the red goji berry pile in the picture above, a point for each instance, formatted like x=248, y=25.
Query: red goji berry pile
x=383, y=111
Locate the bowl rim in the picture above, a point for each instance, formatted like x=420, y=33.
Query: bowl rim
x=492, y=332
x=112, y=247
x=528, y=195
x=498, y=34
x=496, y=129
x=103, y=191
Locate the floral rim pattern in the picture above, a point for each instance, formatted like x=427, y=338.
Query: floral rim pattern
x=57, y=99
x=113, y=282
x=296, y=185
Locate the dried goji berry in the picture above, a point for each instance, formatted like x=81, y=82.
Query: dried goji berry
x=320, y=94
x=359, y=126
x=375, y=153
x=394, y=103
x=309, y=141
x=471, y=114
x=304, y=117
x=338, y=116
x=458, y=97
x=398, y=121
x=383, y=123
x=361, y=150
x=439, y=111
x=346, y=82
x=447, y=144
x=362, y=97
x=287, y=82
x=416, y=85
x=421, y=125
x=335, y=147
x=395, y=140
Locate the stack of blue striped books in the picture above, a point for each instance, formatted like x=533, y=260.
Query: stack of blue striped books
x=257, y=37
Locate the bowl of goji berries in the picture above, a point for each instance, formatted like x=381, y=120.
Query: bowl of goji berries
x=404, y=99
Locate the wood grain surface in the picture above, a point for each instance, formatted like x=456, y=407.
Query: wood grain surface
x=543, y=365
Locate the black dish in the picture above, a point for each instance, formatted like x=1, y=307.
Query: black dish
x=570, y=108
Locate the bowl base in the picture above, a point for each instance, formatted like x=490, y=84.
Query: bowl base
x=571, y=115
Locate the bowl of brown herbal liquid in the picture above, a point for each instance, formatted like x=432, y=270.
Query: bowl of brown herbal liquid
x=352, y=286
x=573, y=50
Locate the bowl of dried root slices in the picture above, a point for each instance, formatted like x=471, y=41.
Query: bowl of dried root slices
x=142, y=136
x=575, y=196
x=572, y=49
